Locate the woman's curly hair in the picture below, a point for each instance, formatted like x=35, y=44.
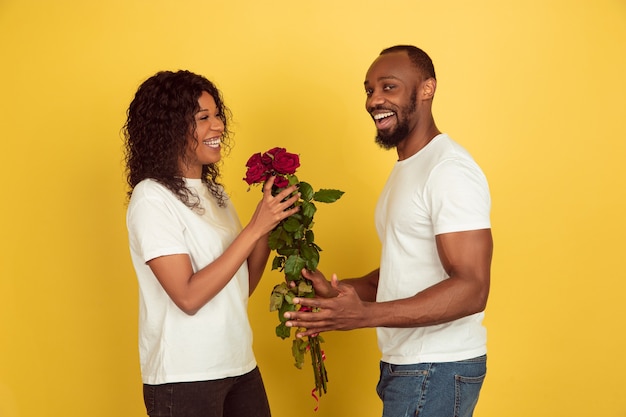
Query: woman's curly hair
x=159, y=121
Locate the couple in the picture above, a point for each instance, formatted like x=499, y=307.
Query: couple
x=196, y=265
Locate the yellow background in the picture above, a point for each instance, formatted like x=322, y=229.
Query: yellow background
x=536, y=90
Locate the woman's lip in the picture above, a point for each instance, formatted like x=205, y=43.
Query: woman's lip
x=213, y=142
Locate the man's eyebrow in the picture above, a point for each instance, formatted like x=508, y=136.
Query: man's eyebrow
x=386, y=77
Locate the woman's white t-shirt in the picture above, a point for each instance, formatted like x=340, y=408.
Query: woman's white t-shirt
x=214, y=343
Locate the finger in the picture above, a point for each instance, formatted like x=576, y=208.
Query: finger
x=309, y=332
x=291, y=201
x=314, y=326
x=288, y=212
x=286, y=192
x=334, y=281
x=298, y=317
x=308, y=302
x=310, y=275
x=267, y=188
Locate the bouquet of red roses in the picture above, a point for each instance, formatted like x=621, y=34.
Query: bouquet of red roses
x=294, y=244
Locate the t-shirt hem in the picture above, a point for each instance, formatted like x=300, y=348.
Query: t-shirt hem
x=205, y=376
x=434, y=357
x=462, y=228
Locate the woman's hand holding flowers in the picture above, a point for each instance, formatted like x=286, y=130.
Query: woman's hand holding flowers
x=271, y=210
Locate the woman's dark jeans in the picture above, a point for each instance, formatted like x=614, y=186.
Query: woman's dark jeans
x=241, y=396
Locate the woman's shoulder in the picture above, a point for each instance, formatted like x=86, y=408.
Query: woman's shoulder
x=150, y=188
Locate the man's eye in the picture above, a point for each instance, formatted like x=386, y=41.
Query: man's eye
x=369, y=92
x=389, y=87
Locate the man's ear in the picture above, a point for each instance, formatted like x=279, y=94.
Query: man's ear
x=428, y=88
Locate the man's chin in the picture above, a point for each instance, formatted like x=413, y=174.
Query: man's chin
x=385, y=142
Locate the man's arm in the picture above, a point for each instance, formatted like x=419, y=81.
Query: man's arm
x=465, y=256
x=365, y=286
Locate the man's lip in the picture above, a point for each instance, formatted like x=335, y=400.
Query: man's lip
x=383, y=114
x=385, y=122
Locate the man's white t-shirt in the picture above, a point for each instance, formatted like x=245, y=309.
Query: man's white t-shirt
x=438, y=190
x=214, y=343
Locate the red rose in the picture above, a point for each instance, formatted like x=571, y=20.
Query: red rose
x=284, y=162
x=254, y=160
x=281, y=182
x=266, y=159
x=257, y=171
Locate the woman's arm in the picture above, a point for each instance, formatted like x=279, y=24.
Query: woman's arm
x=257, y=261
x=190, y=291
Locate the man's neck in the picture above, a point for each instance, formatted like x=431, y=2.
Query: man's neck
x=416, y=141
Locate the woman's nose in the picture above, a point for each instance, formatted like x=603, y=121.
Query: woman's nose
x=218, y=124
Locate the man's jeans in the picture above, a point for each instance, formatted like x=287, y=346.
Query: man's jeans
x=241, y=396
x=447, y=389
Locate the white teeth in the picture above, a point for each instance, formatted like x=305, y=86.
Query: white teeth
x=213, y=143
x=381, y=116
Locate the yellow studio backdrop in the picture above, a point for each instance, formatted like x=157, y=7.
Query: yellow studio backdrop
x=535, y=90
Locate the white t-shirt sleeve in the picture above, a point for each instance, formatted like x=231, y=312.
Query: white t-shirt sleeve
x=155, y=230
x=458, y=195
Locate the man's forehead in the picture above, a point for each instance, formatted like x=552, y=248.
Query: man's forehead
x=390, y=65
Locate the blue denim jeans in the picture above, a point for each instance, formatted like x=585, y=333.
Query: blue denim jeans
x=448, y=389
x=241, y=396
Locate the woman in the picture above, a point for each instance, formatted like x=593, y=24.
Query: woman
x=195, y=264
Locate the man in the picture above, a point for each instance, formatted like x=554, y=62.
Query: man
x=428, y=295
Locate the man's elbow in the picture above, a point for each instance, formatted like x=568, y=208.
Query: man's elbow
x=480, y=301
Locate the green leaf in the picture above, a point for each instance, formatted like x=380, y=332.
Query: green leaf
x=306, y=191
x=281, y=288
x=298, y=349
x=311, y=256
x=283, y=331
x=299, y=234
x=327, y=196
x=285, y=307
x=310, y=237
x=276, y=301
x=304, y=288
x=274, y=238
x=278, y=262
x=289, y=297
x=293, y=267
x=291, y=224
x=287, y=251
x=286, y=237
x=292, y=179
x=308, y=211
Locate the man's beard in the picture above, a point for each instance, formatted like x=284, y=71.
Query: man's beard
x=388, y=140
